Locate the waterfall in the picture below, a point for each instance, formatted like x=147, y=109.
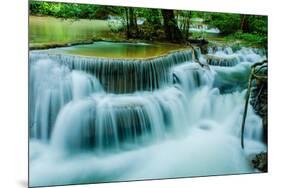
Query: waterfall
x=51, y=86
x=97, y=119
x=122, y=75
x=232, y=67
x=191, y=76
x=226, y=56
x=114, y=121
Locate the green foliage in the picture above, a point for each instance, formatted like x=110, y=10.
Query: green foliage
x=67, y=10
x=198, y=14
x=226, y=23
x=231, y=25
x=258, y=24
x=252, y=39
x=199, y=35
x=153, y=17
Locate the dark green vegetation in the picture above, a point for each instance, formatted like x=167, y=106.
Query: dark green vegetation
x=69, y=10
x=160, y=25
x=251, y=29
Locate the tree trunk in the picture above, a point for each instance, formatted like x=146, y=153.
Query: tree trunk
x=131, y=17
x=244, y=23
x=171, y=29
x=133, y=22
x=128, y=33
x=187, y=22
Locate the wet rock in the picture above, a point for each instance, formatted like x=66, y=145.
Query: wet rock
x=260, y=162
x=258, y=99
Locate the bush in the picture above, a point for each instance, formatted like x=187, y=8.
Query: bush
x=67, y=10
x=252, y=39
x=226, y=23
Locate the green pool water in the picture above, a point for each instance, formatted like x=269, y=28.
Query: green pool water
x=50, y=30
x=119, y=50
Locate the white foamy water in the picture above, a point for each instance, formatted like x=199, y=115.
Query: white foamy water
x=188, y=126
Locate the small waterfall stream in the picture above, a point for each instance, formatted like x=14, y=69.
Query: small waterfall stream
x=96, y=119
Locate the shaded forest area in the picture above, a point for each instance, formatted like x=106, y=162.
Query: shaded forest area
x=160, y=24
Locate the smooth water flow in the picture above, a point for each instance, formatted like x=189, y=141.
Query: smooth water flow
x=121, y=75
x=121, y=50
x=179, y=120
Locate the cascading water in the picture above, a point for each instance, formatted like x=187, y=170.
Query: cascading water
x=121, y=75
x=103, y=122
x=172, y=119
x=51, y=86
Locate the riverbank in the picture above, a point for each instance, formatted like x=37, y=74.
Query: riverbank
x=49, y=32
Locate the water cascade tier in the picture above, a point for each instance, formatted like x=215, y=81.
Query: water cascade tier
x=121, y=75
x=96, y=119
x=226, y=56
